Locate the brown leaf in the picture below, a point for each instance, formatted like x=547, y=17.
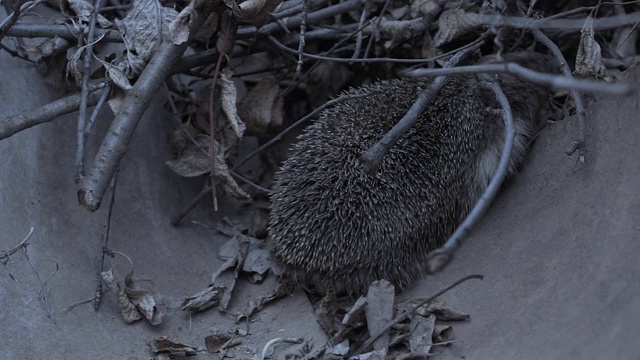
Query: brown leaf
x=164, y=345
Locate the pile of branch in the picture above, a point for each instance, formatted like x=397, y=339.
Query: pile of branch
x=230, y=67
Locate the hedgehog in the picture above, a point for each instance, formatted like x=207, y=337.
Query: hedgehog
x=336, y=227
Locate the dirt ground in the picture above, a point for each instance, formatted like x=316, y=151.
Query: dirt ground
x=559, y=248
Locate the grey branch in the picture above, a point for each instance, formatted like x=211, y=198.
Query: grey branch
x=45, y=113
x=438, y=259
x=93, y=186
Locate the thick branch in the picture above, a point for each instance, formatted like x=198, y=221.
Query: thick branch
x=114, y=146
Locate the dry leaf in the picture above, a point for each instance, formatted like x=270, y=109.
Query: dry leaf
x=145, y=301
x=282, y=290
x=379, y=312
x=589, y=57
x=442, y=333
x=82, y=10
x=221, y=342
x=252, y=11
x=262, y=107
x=210, y=27
x=442, y=310
x=143, y=29
x=420, y=335
x=454, y=24
x=194, y=159
x=179, y=27
x=422, y=8
x=204, y=299
x=127, y=309
x=229, y=98
x=164, y=345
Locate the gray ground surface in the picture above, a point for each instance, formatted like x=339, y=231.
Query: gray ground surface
x=559, y=248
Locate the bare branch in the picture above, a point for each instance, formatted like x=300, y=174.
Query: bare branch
x=114, y=145
x=438, y=259
x=32, y=117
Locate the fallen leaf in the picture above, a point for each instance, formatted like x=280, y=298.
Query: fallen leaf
x=164, y=345
x=420, y=335
x=204, y=299
x=145, y=301
x=379, y=312
x=220, y=342
x=438, y=307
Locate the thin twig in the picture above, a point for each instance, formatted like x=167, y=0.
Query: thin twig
x=175, y=221
x=579, y=143
x=539, y=78
x=373, y=156
x=438, y=259
x=5, y=254
x=303, y=29
x=105, y=239
x=610, y=22
x=40, y=115
x=82, y=113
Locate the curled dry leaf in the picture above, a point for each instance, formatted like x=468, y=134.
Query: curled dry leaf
x=127, y=309
x=143, y=29
x=164, y=345
x=145, y=301
x=179, y=27
x=204, y=299
x=442, y=333
x=229, y=98
x=262, y=107
x=379, y=312
x=441, y=309
x=454, y=24
x=589, y=57
x=283, y=289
